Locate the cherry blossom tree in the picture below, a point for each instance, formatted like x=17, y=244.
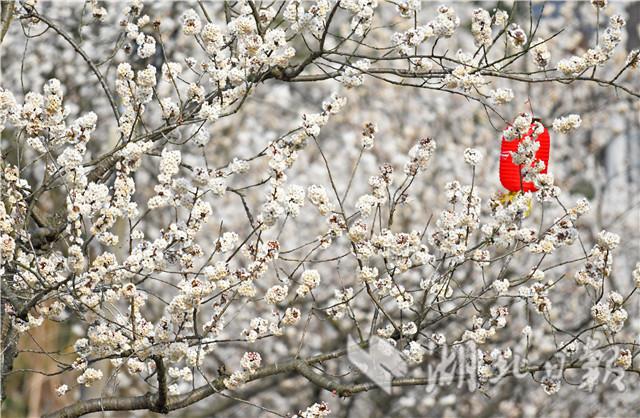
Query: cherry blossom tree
x=204, y=202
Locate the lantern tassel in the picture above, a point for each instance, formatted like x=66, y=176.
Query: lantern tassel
x=509, y=196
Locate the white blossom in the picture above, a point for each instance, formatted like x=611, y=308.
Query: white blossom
x=567, y=124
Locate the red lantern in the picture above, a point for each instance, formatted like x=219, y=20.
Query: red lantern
x=510, y=172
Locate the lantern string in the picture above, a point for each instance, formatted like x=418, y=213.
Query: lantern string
x=533, y=114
